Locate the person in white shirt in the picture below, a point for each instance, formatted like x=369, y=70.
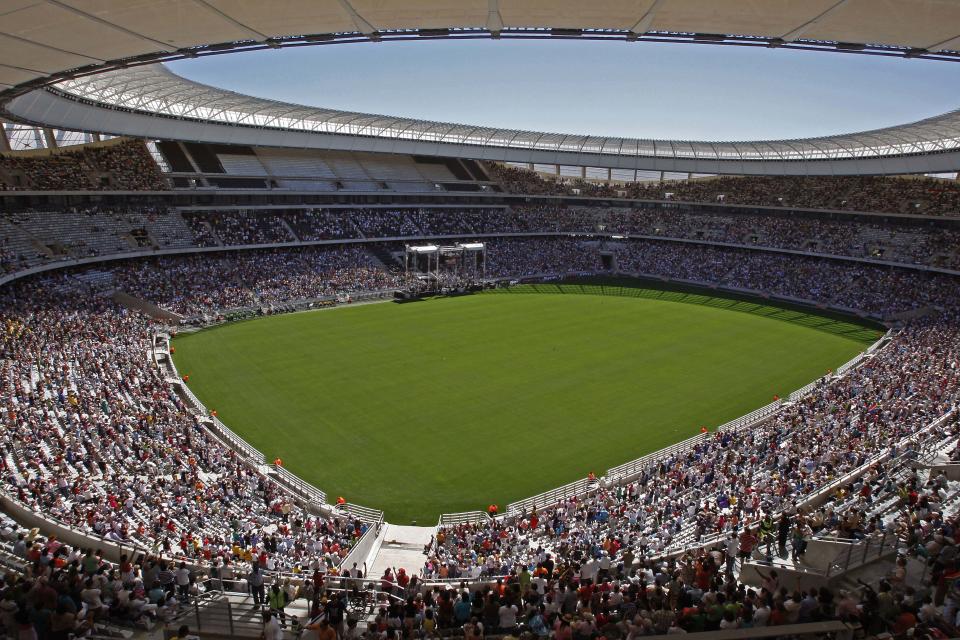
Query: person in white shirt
x=508, y=618
x=761, y=614
x=271, y=627
x=182, y=578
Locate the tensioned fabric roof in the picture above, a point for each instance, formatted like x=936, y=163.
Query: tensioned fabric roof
x=89, y=53
x=42, y=38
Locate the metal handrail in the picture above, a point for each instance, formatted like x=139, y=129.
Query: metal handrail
x=463, y=517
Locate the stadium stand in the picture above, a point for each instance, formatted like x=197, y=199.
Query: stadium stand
x=688, y=541
x=131, y=509
x=903, y=195
x=34, y=238
x=694, y=538
x=119, y=164
x=105, y=422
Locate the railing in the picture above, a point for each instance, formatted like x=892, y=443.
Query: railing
x=577, y=489
x=752, y=418
x=626, y=471
x=364, y=514
x=225, y=433
x=803, y=391
x=299, y=486
x=463, y=517
x=215, y=613
x=857, y=553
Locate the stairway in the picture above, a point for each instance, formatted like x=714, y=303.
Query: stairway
x=286, y=225
x=384, y=256
x=402, y=547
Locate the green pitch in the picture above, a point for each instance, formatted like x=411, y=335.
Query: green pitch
x=450, y=404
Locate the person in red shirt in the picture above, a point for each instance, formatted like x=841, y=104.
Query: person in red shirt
x=748, y=542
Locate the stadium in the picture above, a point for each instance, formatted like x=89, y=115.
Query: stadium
x=279, y=370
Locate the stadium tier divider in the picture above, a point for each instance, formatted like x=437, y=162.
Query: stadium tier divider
x=363, y=548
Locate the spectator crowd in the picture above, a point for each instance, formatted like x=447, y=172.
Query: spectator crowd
x=122, y=164
x=906, y=195
x=97, y=440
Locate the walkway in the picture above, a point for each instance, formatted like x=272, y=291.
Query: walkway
x=400, y=547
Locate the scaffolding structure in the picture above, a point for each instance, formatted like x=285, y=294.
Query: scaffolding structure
x=464, y=261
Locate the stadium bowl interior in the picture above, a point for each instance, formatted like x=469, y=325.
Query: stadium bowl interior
x=389, y=376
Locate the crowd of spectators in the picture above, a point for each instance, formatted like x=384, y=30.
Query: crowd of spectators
x=118, y=165
x=97, y=440
x=875, y=289
x=561, y=597
x=28, y=239
x=888, y=242
x=203, y=284
x=906, y=195
x=239, y=227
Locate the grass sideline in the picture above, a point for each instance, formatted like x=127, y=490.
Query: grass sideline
x=453, y=403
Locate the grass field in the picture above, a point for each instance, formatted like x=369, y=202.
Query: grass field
x=453, y=403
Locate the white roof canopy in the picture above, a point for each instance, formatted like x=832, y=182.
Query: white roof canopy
x=74, y=41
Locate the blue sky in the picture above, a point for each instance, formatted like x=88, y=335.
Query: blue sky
x=642, y=90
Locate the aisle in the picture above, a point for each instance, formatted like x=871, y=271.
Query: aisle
x=402, y=547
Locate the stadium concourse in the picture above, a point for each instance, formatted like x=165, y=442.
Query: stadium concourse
x=131, y=505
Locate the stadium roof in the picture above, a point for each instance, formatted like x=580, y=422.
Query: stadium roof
x=43, y=38
x=90, y=53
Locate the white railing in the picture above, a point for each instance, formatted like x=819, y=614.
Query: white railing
x=752, y=418
x=627, y=470
x=299, y=486
x=803, y=391
x=577, y=489
x=463, y=517
x=364, y=514
x=232, y=439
